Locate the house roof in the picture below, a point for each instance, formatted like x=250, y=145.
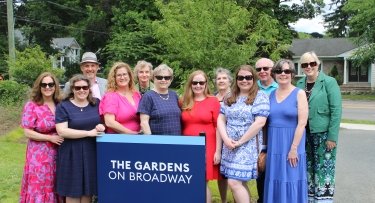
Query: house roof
x=323, y=47
x=63, y=43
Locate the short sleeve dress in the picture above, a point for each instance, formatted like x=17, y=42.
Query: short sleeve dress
x=40, y=166
x=164, y=112
x=241, y=163
x=203, y=118
x=76, y=158
x=125, y=113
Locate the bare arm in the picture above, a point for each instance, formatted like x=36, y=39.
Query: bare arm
x=253, y=130
x=110, y=121
x=64, y=131
x=32, y=134
x=145, y=125
x=302, y=120
x=221, y=126
x=219, y=144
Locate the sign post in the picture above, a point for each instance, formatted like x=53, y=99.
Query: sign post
x=151, y=168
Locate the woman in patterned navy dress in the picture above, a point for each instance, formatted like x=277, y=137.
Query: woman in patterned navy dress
x=79, y=122
x=38, y=121
x=241, y=119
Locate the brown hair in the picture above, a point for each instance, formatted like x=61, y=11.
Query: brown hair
x=188, y=97
x=36, y=93
x=74, y=79
x=112, y=86
x=235, y=92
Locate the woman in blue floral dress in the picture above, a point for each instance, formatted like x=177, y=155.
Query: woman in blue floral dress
x=240, y=121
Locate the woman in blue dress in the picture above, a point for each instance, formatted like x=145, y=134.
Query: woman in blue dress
x=286, y=175
x=240, y=122
x=78, y=121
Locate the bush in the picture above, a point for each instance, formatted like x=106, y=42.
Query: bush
x=335, y=74
x=12, y=93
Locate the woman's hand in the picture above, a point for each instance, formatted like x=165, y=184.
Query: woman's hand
x=229, y=143
x=330, y=145
x=217, y=158
x=100, y=128
x=293, y=157
x=55, y=139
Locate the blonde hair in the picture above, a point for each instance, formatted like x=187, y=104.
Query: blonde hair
x=188, y=97
x=36, y=94
x=235, y=92
x=111, y=80
x=311, y=54
x=141, y=64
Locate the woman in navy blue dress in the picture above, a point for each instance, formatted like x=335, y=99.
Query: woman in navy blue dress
x=159, y=110
x=286, y=175
x=78, y=121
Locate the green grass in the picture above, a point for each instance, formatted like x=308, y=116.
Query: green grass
x=12, y=157
x=367, y=97
x=366, y=122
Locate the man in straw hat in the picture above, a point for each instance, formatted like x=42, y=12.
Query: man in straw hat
x=89, y=67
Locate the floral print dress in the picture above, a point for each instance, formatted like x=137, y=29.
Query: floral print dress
x=40, y=166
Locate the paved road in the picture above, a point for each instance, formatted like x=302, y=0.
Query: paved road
x=355, y=169
x=358, y=110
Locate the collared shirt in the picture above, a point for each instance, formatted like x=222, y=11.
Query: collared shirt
x=269, y=88
x=95, y=90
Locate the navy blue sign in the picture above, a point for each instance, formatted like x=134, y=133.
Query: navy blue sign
x=151, y=168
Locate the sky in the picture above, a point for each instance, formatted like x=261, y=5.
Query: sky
x=311, y=25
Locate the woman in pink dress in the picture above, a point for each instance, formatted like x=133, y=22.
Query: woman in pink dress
x=38, y=122
x=120, y=103
x=199, y=114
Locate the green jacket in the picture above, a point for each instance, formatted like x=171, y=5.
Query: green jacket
x=324, y=106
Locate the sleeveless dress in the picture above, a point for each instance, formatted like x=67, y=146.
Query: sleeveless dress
x=284, y=183
x=203, y=118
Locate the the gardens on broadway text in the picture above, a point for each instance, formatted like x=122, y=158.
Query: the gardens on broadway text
x=159, y=172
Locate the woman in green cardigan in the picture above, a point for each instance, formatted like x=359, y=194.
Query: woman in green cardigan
x=324, y=97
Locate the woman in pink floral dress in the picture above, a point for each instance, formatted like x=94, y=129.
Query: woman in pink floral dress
x=38, y=121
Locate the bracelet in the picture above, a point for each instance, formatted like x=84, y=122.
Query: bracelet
x=263, y=147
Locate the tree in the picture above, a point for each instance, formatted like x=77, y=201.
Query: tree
x=207, y=34
x=337, y=21
x=362, y=25
x=30, y=64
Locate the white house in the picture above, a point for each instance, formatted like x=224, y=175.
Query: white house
x=68, y=51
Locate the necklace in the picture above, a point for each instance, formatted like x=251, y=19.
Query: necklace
x=163, y=98
x=309, y=88
x=80, y=106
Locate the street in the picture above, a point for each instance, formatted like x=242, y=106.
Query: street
x=355, y=166
x=358, y=110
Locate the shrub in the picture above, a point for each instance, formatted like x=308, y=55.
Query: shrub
x=334, y=73
x=12, y=93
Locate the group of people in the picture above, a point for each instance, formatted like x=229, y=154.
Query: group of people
x=259, y=109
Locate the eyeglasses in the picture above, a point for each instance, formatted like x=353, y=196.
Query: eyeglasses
x=50, y=84
x=312, y=64
x=246, y=77
x=260, y=69
x=201, y=83
x=122, y=75
x=286, y=71
x=77, y=88
x=159, y=77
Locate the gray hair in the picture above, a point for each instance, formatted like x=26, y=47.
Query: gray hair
x=139, y=66
x=279, y=65
x=221, y=70
x=160, y=68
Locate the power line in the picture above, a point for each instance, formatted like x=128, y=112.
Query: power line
x=55, y=25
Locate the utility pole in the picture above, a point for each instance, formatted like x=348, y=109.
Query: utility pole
x=12, y=47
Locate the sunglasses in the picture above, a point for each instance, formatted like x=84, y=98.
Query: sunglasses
x=286, y=71
x=159, y=77
x=77, y=88
x=201, y=83
x=50, y=84
x=246, y=77
x=260, y=69
x=312, y=64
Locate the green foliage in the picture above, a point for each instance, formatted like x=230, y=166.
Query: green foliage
x=362, y=25
x=337, y=21
x=334, y=73
x=12, y=93
x=29, y=64
x=207, y=34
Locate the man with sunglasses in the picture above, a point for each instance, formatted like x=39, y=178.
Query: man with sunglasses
x=266, y=83
x=89, y=67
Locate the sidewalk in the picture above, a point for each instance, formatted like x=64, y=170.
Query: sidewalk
x=352, y=126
